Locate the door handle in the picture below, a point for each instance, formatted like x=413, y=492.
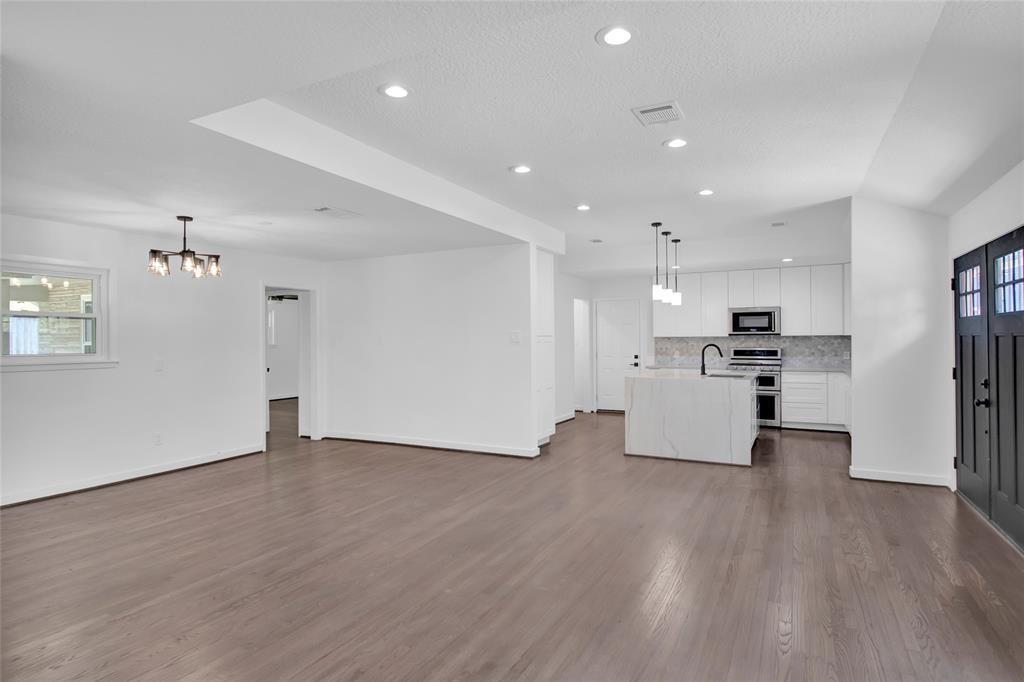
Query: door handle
x=635, y=364
x=982, y=402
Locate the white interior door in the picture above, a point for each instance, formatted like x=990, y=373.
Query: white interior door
x=618, y=350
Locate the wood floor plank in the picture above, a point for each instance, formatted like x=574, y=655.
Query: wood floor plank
x=345, y=560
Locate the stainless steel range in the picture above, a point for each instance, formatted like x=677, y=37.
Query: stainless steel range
x=767, y=363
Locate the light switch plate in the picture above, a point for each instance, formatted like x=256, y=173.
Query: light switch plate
x=514, y=338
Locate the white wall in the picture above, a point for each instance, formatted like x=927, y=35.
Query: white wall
x=544, y=360
x=189, y=376
x=903, y=404
x=283, y=354
x=567, y=287
x=583, y=356
x=432, y=349
x=993, y=213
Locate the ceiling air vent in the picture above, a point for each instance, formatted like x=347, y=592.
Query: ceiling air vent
x=338, y=213
x=658, y=113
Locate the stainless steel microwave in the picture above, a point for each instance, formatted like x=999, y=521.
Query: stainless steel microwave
x=754, y=321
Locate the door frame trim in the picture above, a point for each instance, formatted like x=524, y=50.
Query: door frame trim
x=595, y=350
x=312, y=331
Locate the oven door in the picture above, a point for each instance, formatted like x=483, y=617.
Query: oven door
x=754, y=321
x=769, y=408
x=768, y=381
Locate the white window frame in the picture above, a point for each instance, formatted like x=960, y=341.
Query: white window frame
x=103, y=357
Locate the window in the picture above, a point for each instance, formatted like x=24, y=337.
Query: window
x=970, y=292
x=1009, y=280
x=51, y=315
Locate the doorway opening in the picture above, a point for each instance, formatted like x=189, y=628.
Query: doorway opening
x=583, y=357
x=287, y=366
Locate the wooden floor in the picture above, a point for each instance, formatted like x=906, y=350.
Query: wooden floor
x=342, y=560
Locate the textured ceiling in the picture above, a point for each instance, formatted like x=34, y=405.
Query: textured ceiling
x=785, y=105
x=788, y=107
x=97, y=99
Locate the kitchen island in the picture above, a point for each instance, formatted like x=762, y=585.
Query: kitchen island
x=679, y=414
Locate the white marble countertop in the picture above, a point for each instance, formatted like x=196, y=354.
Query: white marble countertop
x=679, y=414
x=693, y=374
x=838, y=370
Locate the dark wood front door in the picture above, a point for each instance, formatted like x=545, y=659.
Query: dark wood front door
x=1006, y=369
x=973, y=464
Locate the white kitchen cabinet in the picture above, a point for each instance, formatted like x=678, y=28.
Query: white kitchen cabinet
x=847, y=300
x=741, y=289
x=826, y=300
x=838, y=398
x=804, y=398
x=714, y=300
x=815, y=300
x=795, y=299
x=766, y=288
x=682, y=320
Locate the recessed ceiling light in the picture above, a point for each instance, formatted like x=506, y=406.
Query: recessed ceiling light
x=393, y=90
x=613, y=36
x=706, y=192
x=597, y=241
x=675, y=143
x=582, y=207
x=779, y=223
x=787, y=260
x=522, y=170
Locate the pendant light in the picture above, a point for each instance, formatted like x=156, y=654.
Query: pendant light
x=656, y=289
x=199, y=264
x=667, y=294
x=677, y=296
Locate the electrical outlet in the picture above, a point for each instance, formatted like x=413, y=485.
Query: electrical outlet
x=846, y=355
x=514, y=338
x=158, y=440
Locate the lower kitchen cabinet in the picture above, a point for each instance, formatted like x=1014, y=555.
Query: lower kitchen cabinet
x=816, y=400
x=839, y=399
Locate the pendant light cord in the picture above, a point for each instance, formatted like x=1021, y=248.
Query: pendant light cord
x=666, y=234
x=656, y=226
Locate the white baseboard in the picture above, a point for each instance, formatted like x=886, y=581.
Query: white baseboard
x=431, y=443
x=565, y=417
x=837, y=428
x=900, y=477
x=118, y=477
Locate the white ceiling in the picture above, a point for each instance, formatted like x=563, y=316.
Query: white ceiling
x=788, y=107
x=97, y=99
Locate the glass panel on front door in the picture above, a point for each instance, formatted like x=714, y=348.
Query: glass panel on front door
x=1009, y=282
x=970, y=292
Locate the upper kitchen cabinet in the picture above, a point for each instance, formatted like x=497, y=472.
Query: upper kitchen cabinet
x=741, y=289
x=714, y=299
x=766, y=288
x=826, y=300
x=847, y=300
x=680, y=320
x=815, y=301
x=795, y=300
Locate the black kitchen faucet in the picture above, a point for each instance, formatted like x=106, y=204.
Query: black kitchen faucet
x=703, y=368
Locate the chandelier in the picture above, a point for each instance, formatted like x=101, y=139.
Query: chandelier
x=199, y=264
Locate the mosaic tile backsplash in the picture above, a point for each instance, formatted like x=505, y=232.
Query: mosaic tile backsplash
x=825, y=353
